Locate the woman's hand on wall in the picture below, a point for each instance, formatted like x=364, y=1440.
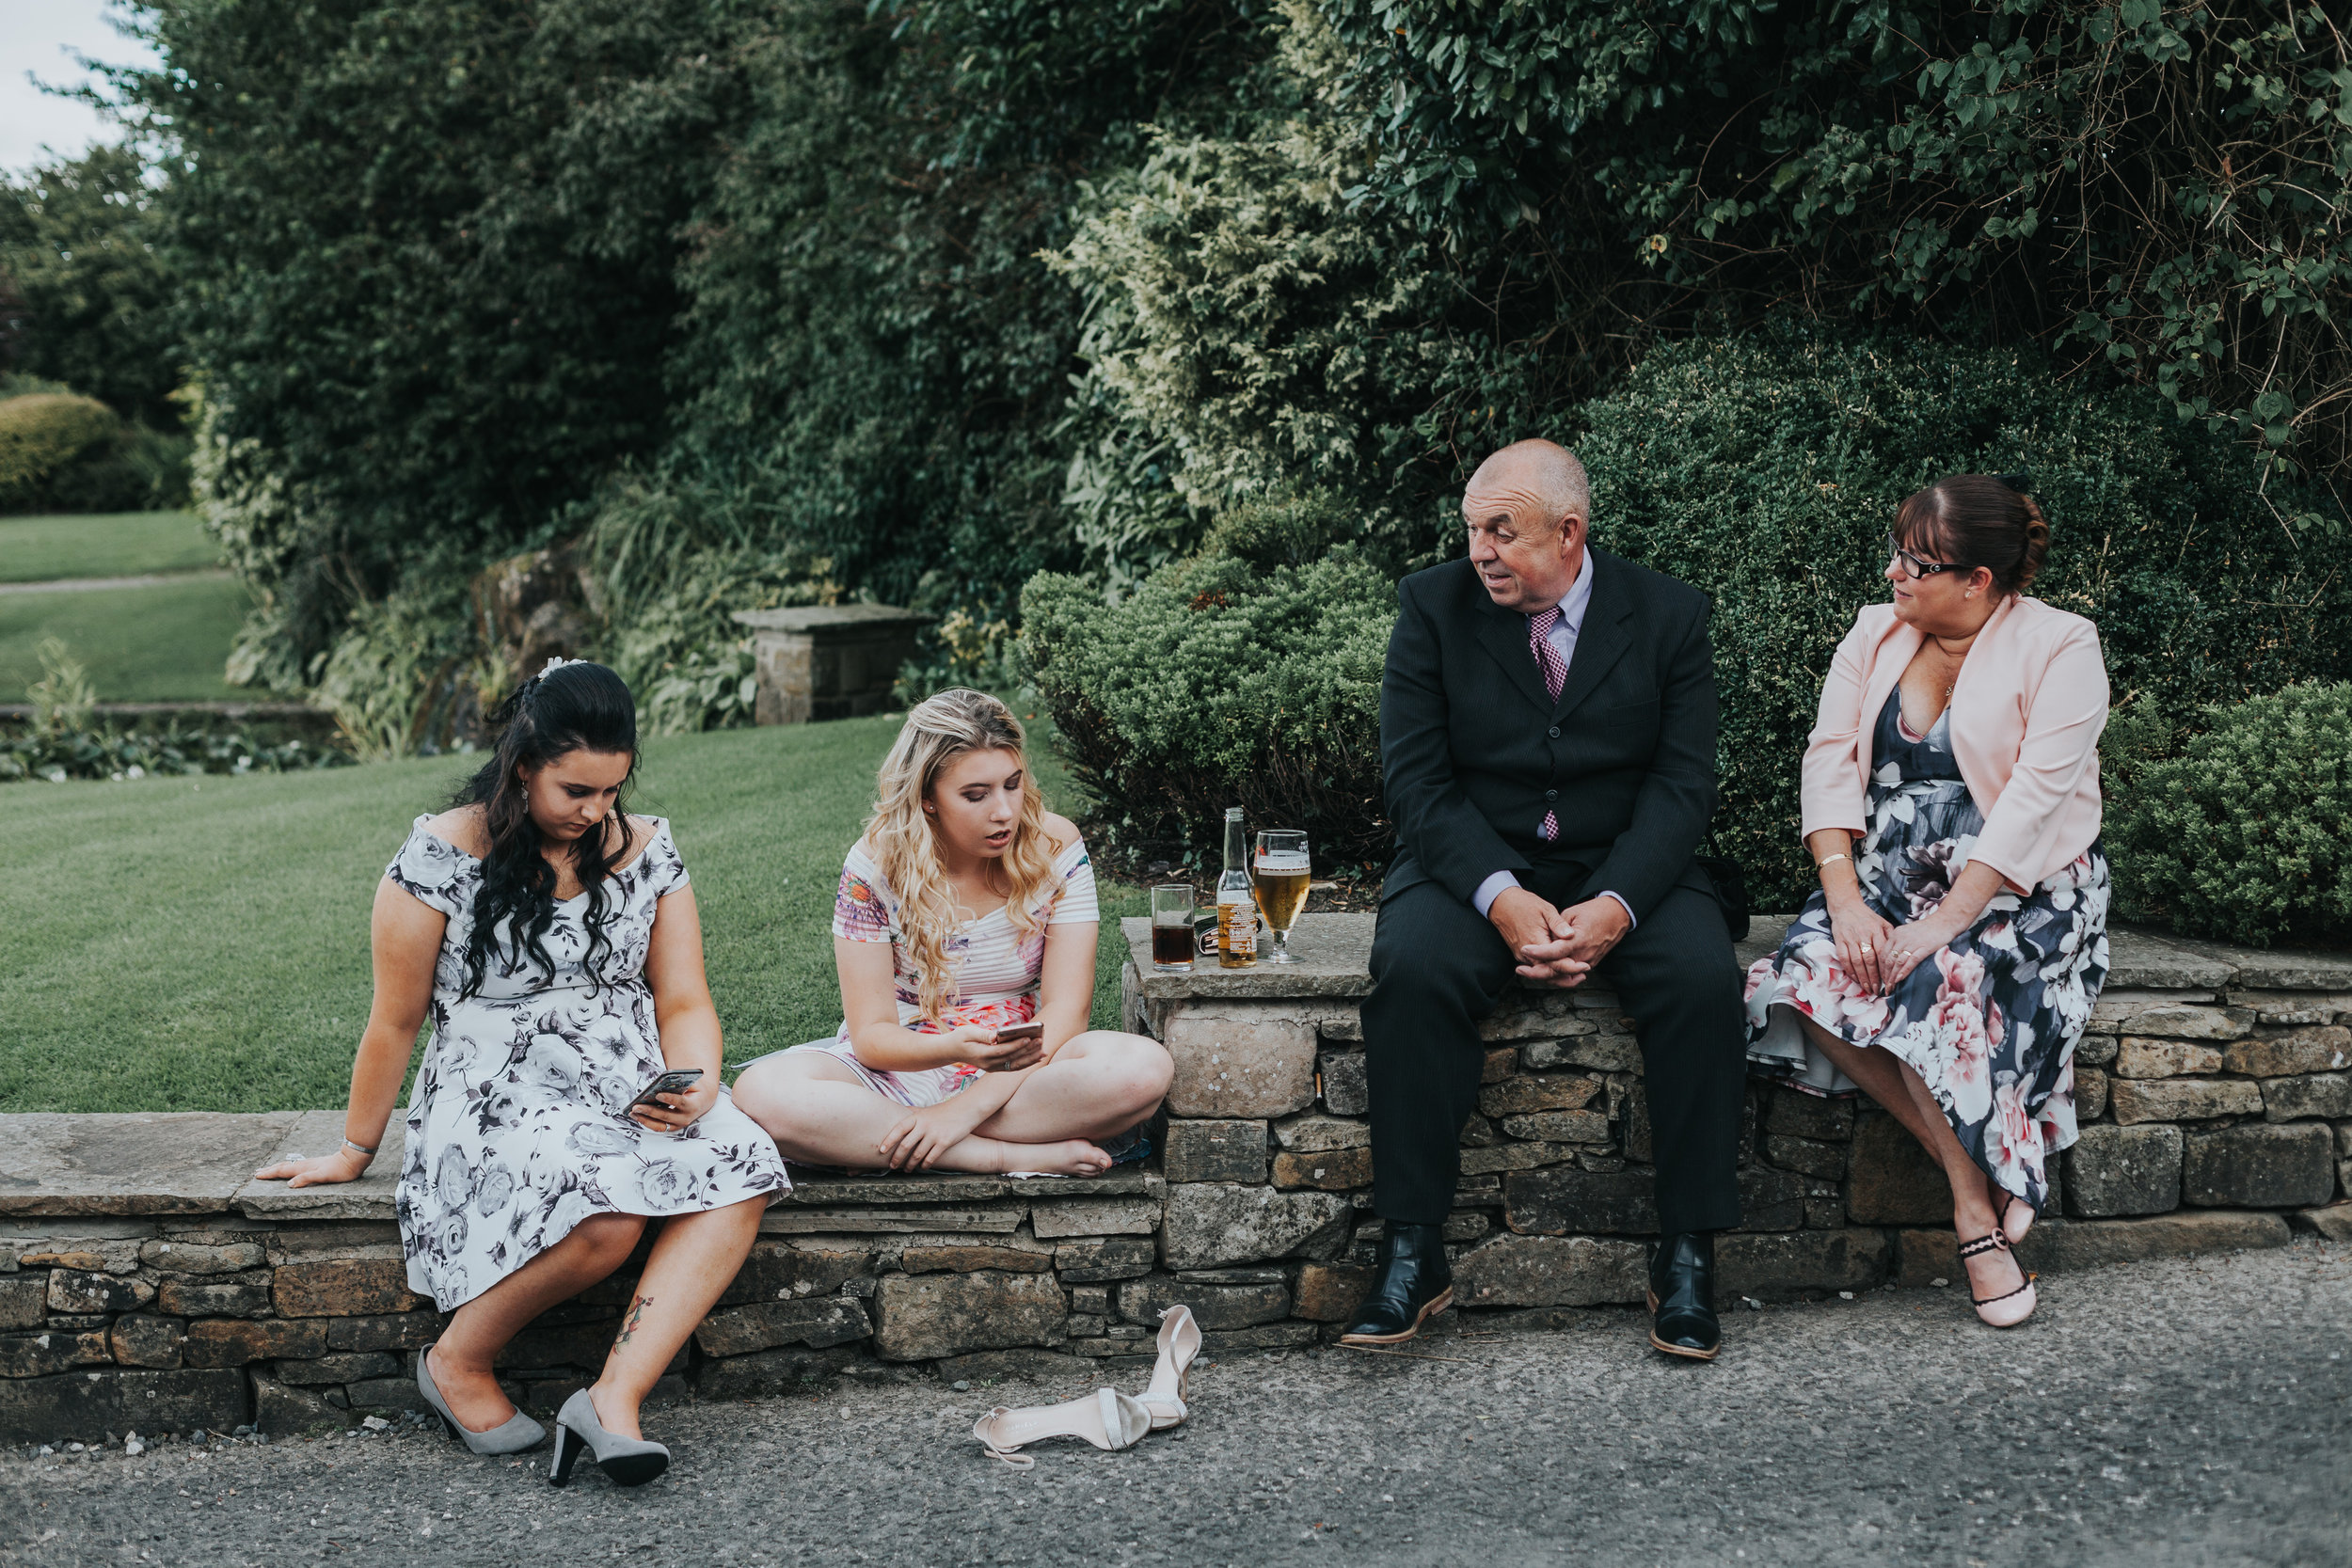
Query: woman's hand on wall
x=344, y=1164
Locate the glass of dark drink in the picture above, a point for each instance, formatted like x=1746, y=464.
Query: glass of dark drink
x=1172, y=928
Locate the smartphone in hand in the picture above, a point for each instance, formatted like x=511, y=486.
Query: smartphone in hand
x=677, y=1080
x=1020, y=1032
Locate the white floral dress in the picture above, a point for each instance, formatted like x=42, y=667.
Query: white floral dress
x=515, y=1125
x=1990, y=1021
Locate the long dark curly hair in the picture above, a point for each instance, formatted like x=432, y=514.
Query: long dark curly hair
x=578, y=707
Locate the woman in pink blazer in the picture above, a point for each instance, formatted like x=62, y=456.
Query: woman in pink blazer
x=1951, y=802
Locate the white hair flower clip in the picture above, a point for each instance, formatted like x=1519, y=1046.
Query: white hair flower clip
x=557, y=663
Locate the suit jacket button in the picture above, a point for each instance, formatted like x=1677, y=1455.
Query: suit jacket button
x=1552, y=795
x=1553, y=732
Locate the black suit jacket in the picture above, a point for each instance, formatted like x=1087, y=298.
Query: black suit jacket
x=1473, y=753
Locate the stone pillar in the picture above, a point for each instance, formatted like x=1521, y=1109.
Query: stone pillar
x=828, y=661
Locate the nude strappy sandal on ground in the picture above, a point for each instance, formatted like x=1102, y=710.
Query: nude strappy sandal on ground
x=1106, y=1418
x=2021, y=1298
x=1180, y=1341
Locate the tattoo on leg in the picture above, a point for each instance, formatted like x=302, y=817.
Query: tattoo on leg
x=628, y=1327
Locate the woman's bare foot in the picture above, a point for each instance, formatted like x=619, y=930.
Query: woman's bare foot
x=472, y=1393
x=1076, y=1157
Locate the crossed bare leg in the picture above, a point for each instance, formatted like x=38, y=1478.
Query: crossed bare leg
x=1099, y=1084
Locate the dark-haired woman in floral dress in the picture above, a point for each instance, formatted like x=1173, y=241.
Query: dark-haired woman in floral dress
x=552, y=939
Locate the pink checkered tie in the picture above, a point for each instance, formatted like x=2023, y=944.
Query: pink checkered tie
x=1555, y=670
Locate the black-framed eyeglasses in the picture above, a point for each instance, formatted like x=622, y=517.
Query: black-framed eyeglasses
x=1915, y=568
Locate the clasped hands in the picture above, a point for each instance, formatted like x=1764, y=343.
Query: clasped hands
x=1557, y=948
x=1881, y=956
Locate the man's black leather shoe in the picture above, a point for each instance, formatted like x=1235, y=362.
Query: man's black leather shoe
x=1411, y=1282
x=1682, y=1296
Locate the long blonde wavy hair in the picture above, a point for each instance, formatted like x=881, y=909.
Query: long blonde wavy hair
x=905, y=844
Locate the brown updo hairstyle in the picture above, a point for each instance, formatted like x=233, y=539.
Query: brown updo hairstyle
x=1978, y=520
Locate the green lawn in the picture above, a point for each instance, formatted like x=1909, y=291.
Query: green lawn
x=139, y=644
x=108, y=544
x=177, y=944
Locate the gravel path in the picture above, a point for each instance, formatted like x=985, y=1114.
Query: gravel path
x=2197, y=1411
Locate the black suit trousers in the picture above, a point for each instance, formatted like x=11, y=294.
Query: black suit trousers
x=1438, y=967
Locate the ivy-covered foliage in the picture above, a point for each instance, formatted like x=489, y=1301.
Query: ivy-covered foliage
x=875, y=364
x=2236, y=821
x=2158, y=182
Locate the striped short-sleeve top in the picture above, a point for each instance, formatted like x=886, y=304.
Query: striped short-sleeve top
x=997, y=971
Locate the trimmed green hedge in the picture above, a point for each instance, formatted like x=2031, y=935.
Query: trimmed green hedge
x=61, y=452
x=1247, y=675
x=2238, y=824
x=1763, y=469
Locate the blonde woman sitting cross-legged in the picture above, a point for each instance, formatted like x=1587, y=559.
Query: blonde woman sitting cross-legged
x=966, y=913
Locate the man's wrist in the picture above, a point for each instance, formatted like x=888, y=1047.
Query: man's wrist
x=1494, y=887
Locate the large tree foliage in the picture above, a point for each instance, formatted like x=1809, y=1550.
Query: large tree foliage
x=428, y=253
x=82, y=247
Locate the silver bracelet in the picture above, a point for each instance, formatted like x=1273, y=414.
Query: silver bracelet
x=360, y=1149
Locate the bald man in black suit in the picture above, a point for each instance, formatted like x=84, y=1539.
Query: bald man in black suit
x=1547, y=738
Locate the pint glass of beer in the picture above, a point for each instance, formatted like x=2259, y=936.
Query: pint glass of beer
x=1172, y=928
x=1279, y=875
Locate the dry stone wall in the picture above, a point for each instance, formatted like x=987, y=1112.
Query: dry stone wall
x=148, y=1284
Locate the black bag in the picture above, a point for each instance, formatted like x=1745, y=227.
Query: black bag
x=1731, y=888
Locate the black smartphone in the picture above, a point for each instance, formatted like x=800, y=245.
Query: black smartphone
x=1019, y=1031
x=677, y=1080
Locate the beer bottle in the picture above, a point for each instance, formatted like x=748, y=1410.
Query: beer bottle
x=1236, y=905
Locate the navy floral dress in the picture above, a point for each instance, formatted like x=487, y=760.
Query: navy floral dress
x=1989, y=1022
x=518, y=1125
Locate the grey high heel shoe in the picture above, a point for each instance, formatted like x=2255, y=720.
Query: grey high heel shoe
x=513, y=1436
x=625, y=1461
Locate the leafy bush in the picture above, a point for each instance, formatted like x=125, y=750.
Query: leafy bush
x=2242, y=828
x=1251, y=329
x=1764, y=468
x=674, y=563
x=1222, y=682
x=61, y=452
x=45, y=437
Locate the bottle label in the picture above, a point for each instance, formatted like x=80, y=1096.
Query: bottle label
x=1237, y=924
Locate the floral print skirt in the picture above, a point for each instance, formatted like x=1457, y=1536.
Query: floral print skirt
x=518, y=1130
x=1989, y=1022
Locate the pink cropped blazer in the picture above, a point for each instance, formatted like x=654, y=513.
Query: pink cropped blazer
x=2027, y=707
